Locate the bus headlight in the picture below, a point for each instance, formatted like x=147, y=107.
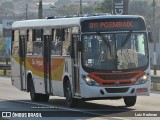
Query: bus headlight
x=142, y=80
x=89, y=81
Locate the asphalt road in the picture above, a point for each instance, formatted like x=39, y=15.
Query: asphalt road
x=19, y=103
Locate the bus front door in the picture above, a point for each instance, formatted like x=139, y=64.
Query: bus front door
x=22, y=55
x=75, y=57
x=47, y=64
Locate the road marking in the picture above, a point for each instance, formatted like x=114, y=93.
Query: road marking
x=63, y=108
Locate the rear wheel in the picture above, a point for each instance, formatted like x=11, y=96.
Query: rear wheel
x=35, y=96
x=44, y=97
x=70, y=101
x=130, y=100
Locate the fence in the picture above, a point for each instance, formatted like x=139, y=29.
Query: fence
x=5, y=65
x=155, y=83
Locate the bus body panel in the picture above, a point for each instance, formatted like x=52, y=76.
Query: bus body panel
x=15, y=72
x=61, y=67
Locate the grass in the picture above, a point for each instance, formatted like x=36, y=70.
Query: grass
x=3, y=63
x=8, y=72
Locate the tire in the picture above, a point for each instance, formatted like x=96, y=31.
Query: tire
x=130, y=100
x=34, y=96
x=44, y=97
x=70, y=101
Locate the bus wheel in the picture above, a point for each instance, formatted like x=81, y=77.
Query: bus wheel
x=34, y=96
x=44, y=97
x=130, y=100
x=70, y=101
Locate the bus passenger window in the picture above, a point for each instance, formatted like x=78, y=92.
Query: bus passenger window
x=66, y=42
x=37, y=48
x=37, y=44
x=56, y=48
x=30, y=43
x=38, y=34
x=15, y=50
x=15, y=44
x=29, y=48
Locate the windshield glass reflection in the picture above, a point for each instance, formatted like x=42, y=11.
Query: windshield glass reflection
x=116, y=51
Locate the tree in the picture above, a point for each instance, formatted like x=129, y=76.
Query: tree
x=104, y=7
x=7, y=5
x=62, y=2
x=67, y=10
x=142, y=8
x=88, y=9
x=2, y=45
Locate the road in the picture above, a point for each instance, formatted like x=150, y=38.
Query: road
x=11, y=99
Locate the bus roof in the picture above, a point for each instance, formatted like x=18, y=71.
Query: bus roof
x=75, y=21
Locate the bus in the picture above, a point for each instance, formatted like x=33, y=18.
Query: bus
x=82, y=58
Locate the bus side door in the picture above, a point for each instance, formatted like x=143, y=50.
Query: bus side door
x=22, y=55
x=47, y=60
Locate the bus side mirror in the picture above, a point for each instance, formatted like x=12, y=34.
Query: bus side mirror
x=150, y=36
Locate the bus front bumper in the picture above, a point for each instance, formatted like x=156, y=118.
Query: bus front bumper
x=117, y=91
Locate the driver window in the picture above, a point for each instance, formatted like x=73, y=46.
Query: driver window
x=141, y=46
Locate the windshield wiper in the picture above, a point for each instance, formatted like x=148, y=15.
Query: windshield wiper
x=126, y=38
x=107, y=43
x=105, y=40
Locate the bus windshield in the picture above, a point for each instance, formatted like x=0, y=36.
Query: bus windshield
x=115, y=51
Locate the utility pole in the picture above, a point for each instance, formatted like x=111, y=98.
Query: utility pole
x=26, y=11
x=154, y=38
x=81, y=12
x=40, y=10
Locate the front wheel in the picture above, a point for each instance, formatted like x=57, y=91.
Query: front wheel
x=130, y=100
x=70, y=101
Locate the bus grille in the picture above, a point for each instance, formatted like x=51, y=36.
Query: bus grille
x=116, y=78
x=116, y=90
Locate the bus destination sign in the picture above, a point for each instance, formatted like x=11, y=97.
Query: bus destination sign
x=93, y=25
x=112, y=25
